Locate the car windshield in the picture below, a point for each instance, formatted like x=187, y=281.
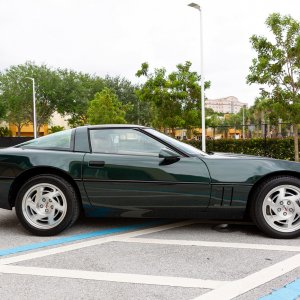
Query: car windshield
x=182, y=146
x=58, y=140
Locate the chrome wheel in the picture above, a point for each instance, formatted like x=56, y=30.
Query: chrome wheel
x=44, y=206
x=281, y=208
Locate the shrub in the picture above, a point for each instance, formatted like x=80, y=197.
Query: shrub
x=4, y=131
x=57, y=128
x=275, y=148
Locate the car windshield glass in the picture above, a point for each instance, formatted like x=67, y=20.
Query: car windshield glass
x=58, y=140
x=181, y=146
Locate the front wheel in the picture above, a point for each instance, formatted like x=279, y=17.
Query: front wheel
x=46, y=205
x=275, y=207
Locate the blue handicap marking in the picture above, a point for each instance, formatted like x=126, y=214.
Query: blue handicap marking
x=289, y=292
x=79, y=237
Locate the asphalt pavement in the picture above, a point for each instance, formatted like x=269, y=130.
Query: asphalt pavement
x=147, y=259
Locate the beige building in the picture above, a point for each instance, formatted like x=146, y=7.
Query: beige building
x=27, y=130
x=226, y=105
x=59, y=120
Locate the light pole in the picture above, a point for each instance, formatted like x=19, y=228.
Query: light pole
x=197, y=6
x=243, y=122
x=34, y=108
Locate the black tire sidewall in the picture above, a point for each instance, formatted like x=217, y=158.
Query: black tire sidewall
x=68, y=192
x=257, y=203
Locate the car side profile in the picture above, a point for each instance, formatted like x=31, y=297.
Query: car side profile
x=138, y=172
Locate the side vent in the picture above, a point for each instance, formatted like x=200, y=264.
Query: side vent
x=221, y=195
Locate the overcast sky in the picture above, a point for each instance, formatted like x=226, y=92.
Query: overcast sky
x=115, y=36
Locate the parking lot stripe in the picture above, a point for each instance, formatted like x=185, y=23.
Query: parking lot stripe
x=93, y=242
x=241, y=286
x=116, y=277
x=213, y=244
x=77, y=237
x=289, y=292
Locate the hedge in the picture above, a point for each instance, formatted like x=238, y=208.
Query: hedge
x=276, y=148
x=12, y=141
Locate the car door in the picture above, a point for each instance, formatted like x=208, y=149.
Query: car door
x=124, y=176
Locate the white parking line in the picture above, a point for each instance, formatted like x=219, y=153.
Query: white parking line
x=98, y=241
x=116, y=277
x=241, y=286
x=224, y=290
x=213, y=244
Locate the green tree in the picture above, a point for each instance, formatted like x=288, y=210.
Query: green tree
x=2, y=105
x=155, y=91
x=126, y=93
x=174, y=97
x=213, y=120
x=75, y=90
x=277, y=65
x=105, y=108
x=185, y=89
x=14, y=97
x=16, y=93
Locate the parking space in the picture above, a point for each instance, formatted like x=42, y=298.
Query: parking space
x=145, y=259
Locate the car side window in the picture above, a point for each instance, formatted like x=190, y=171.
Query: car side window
x=124, y=141
x=59, y=140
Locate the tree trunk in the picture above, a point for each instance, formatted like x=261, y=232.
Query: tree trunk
x=263, y=127
x=173, y=132
x=19, y=130
x=189, y=133
x=38, y=130
x=296, y=145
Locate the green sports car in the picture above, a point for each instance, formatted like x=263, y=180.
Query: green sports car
x=135, y=171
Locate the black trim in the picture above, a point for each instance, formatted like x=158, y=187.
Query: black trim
x=48, y=149
x=96, y=163
x=231, y=183
x=81, y=140
x=73, y=140
x=89, y=138
x=145, y=181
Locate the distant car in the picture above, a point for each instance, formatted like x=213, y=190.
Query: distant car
x=136, y=171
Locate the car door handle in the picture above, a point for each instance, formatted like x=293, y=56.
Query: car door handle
x=96, y=164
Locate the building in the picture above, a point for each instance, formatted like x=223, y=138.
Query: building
x=27, y=130
x=229, y=104
x=59, y=120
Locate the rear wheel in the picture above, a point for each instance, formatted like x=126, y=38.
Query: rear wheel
x=275, y=207
x=46, y=205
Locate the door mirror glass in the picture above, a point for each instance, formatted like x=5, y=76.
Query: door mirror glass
x=169, y=156
x=168, y=153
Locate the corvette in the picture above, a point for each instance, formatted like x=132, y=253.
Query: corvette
x=138, y=172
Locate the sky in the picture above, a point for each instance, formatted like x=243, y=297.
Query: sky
x=116, y=36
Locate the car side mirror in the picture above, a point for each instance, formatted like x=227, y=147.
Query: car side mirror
x=169, y=156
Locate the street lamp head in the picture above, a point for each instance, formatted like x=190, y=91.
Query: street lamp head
x=195, y=5
x=30, y=78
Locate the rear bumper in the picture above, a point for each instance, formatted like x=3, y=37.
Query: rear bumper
x=5, y=184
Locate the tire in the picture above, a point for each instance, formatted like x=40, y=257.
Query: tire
x=47, y=204
x=275, y=207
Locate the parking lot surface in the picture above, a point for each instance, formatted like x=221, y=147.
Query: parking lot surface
x=147, y=259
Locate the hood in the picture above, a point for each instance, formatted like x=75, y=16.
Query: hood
x=235, y=156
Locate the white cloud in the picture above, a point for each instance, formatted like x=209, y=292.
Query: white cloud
x=114, y=37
